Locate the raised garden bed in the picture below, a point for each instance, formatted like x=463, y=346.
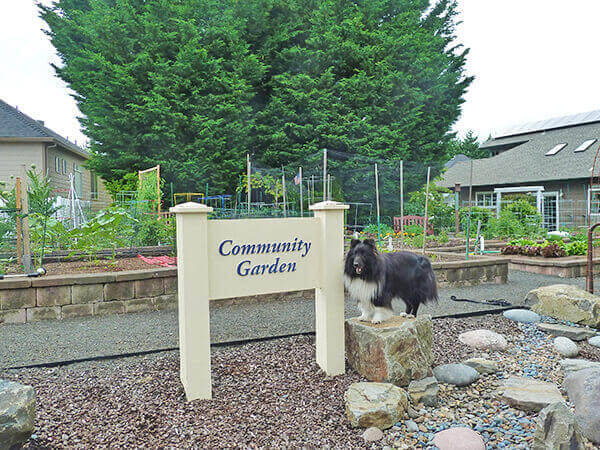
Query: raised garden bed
x=565, y=267
x=64, y=296
x=86, y=266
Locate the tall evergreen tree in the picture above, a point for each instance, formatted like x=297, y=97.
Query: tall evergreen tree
x=379, y=78
x=469, y=146
x=159, y=82
x=195, y=84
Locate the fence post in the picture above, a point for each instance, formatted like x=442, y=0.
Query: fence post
x=193, y=294
x=329, y=298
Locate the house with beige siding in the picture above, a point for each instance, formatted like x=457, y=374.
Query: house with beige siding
x=549, y=160
x=26, y=143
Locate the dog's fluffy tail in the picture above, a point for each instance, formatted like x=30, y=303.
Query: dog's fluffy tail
x=427, y=282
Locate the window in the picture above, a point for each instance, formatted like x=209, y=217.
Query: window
x=94, y=185
x=485, y=199
x=585, y=145
x=557, y=148
x=77, y=180
x=57, y=164
x=594, y=201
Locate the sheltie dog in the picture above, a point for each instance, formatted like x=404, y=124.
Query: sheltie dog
x=374, y=280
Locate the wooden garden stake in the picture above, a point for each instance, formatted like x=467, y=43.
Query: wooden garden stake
x=426, y=216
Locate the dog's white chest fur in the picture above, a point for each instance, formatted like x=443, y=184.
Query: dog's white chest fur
x=361, y=290
x=365, y=292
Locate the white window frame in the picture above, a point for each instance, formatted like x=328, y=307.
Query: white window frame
x=590, y=192
x=557, y=148
x=585, y=145
x=57, y=164
x=482, y=203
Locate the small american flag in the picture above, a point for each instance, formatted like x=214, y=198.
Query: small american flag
x=297, y=179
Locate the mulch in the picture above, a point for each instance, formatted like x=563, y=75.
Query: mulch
x=268, y=394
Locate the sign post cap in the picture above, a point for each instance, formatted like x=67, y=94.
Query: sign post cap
x=328, y=204
x=191, y=207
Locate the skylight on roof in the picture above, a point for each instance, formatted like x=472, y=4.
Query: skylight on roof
x=557, y=148
x=585, y=145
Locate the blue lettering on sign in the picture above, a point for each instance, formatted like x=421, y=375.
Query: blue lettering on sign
x=228, y=248
x=221, y=247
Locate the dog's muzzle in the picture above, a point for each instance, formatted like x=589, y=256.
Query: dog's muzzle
x=357, y=268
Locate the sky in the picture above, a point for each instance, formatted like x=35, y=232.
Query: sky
x=532, y=60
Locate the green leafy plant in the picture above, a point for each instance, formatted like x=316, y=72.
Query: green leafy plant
x=477, y=214
x=106, y=230
x=372, y=228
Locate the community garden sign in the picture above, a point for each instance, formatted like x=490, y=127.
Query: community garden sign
x=234, y=258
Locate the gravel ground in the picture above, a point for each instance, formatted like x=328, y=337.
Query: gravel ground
x=24, y=344
x=262, y=399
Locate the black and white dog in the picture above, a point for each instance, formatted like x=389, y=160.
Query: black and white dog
x=375, y=279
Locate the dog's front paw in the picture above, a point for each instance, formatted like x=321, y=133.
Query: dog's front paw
x=375, y=321
x=364, y=318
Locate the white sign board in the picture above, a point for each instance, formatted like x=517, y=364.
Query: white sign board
x=259, y=256
x=234, y=258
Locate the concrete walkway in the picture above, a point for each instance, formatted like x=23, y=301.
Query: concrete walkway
x=33, y=343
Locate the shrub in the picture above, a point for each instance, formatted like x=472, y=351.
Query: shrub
x=522, y=209
x=576, y=248
x=373, y=229
x=477, y=213
x=440, y=213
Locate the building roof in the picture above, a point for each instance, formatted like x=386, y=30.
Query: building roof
x=15, y=125
x=527, y=161
x=551, y=124
x=456, y=159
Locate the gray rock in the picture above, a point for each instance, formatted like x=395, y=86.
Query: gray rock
x=482, y=365
x=566, y=302
x=595, y=341
x=483, y=340
x=574, y=333
x=378, y=405
x=372, y=434
x=556, y=429
x=412, y=426
x=573, y=365
x=528, y=394
x=17, y=413
x=522, y=315
x=424, y=391
x=456, y=374
x=583, y=389
x=566, y=347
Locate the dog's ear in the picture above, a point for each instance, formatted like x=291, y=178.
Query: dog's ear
x=354, y=243
x=370, y=243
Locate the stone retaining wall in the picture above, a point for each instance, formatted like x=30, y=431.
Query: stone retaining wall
x=570, y=268
x=65, y=296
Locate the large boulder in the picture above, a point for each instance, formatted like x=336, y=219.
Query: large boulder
x=566, y=302
x=556, y=429
x=17, y=413
x=528, y=394
x=378, y=405
x=583, y=389
x=396, y=351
